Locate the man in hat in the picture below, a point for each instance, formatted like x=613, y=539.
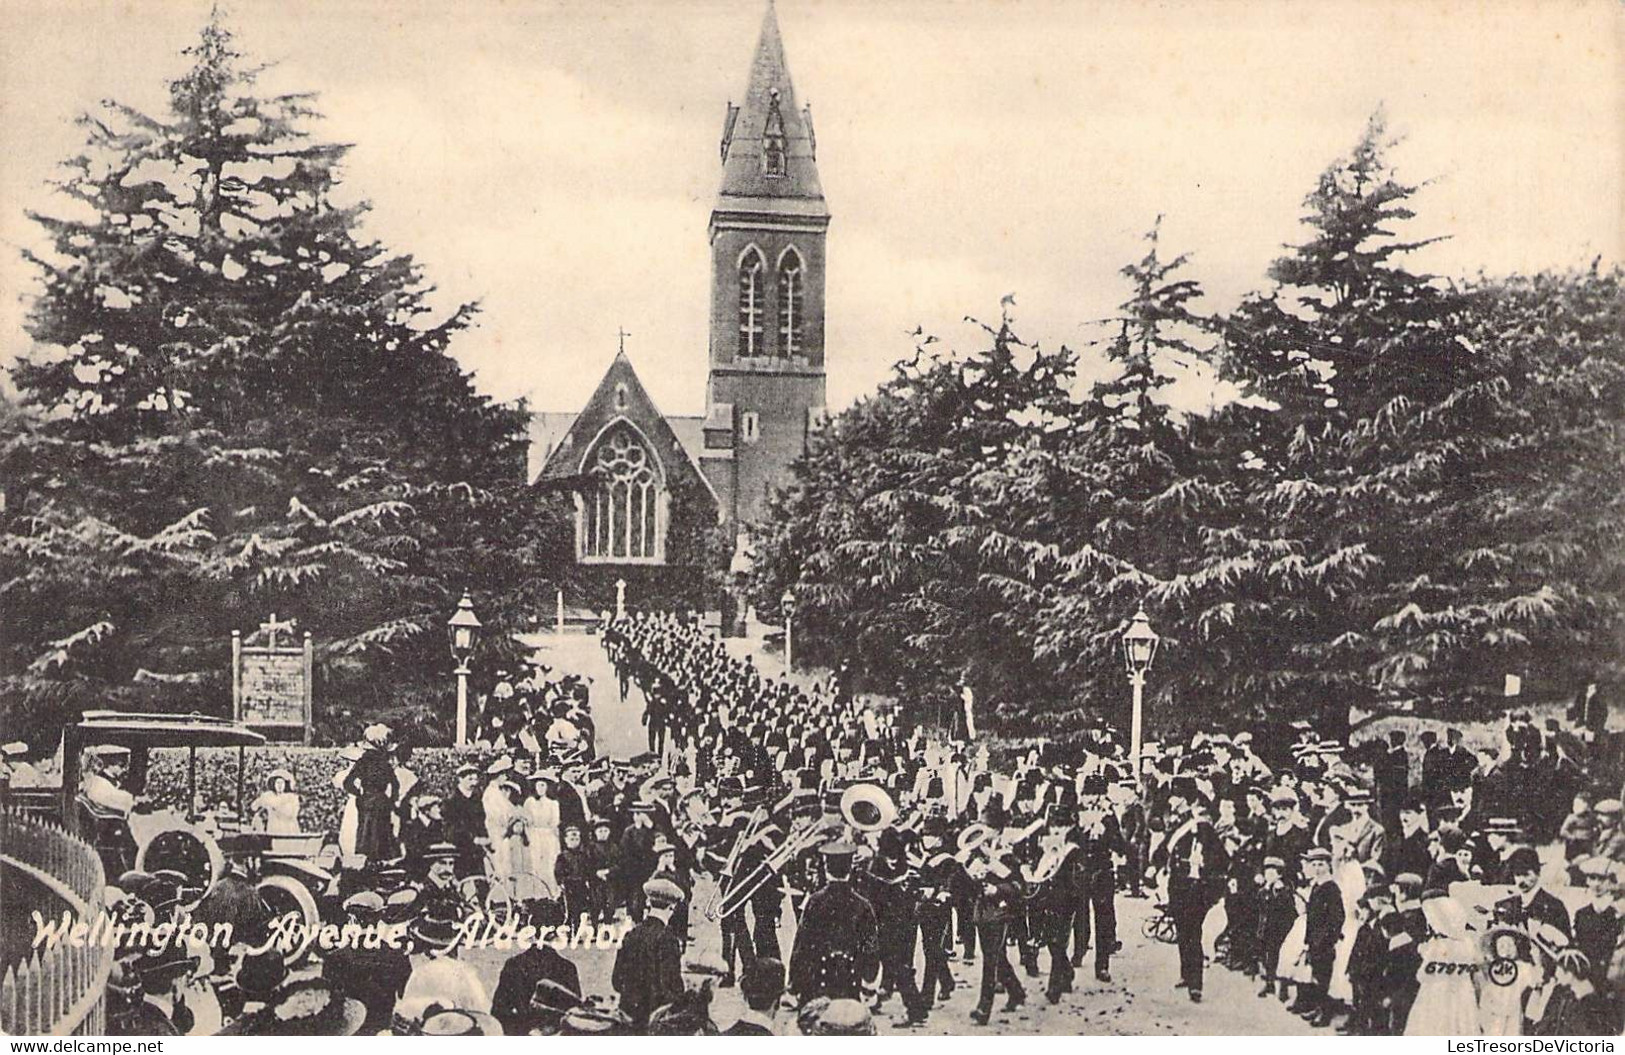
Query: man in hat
x=1598, y=922
x=464, y=816
x=439, y=892
x=373, y=972
x=1323, y=929
x=1197, y=866
x=936, y=896
x=1393, y=776
x=837, y=947
x=637, y=857
x=128, y=1012
x=994, y=869
x=108, y=804
x=1407, y=850
x=1611, y=830
x=1362, y=837
x=234, y=900
x=538, y=985
x=1531, y=907
x=666, y=867
x=648, y=972
x=886, y=887
x=1098, y=837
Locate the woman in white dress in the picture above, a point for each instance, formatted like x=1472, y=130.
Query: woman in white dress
x=542, y=822
x=1446, y=1000
x=276, y=809
x=504, y=826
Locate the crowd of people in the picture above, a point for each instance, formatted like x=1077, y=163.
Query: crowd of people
x=1389, y=888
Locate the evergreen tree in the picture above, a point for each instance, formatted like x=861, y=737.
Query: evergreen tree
x=246, y=405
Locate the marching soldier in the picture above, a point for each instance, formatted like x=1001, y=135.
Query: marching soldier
x=997, y=903
x=1098, y=837
x=889, y=892
x=1196, y=870
x=837, y=948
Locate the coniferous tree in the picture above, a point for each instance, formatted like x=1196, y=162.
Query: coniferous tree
x=246, y=405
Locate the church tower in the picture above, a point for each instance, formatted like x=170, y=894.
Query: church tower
x=765, y=393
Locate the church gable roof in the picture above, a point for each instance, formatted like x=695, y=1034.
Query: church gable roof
x=620, y=395
x=768, y=115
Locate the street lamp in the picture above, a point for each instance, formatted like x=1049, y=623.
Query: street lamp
x=787, y=605
x=1139, y=649
x=465, y=632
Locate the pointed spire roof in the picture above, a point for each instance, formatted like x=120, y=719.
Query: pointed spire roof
x=770, y=116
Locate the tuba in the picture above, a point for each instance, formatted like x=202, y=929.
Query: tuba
x=868, y=808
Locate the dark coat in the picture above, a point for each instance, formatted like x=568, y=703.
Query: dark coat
x=648, y=970
x=1596, y=933
x=747, y=1029
x=1197, y=863
x=1323, y=921
x=1408, y=853
x=511, y=1003
x=837, y=945
x=372, y=781
x=464, y=819
x=1544, y=907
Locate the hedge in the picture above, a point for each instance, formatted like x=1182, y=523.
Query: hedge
x=313, y=768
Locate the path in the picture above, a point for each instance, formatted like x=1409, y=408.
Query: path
x=617, y=724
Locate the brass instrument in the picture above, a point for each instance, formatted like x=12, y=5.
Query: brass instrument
x=809, y=833
x=868, y=807
x=1054, y=858
x=747, y=834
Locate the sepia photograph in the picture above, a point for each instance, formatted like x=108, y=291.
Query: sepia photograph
x=812, y=518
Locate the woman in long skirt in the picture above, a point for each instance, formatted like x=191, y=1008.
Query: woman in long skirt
x=372, y=782
x=542, y=821
x=1446, y=1001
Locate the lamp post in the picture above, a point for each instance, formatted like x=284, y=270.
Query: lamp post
x=1139, y=649
x=465, y=631
x=787, y=605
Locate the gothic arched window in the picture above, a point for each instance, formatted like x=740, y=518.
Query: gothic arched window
x=792, y=300
x=620, y=516
x=752, y=293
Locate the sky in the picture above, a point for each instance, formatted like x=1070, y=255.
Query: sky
x=558, y=161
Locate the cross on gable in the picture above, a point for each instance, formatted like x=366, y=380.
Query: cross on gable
x=621, y=333
x=271, y=627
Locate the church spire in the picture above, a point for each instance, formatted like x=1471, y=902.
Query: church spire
x=768, y=148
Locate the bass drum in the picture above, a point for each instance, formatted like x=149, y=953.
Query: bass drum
x=187, y=849
x=284, y=896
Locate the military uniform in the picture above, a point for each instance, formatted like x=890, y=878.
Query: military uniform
x=837, y=947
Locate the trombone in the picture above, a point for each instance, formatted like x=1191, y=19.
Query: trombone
x=802, y=837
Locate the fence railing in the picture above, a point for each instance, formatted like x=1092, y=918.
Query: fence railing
x=58, y=990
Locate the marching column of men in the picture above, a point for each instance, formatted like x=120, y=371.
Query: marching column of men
x=1359, y=886
x=1321, y=858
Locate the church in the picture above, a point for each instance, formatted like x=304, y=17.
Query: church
x=660, y=500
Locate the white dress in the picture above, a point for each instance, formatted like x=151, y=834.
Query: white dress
x=348, y=819
x=542, y=817
x=1446, y=1003
x=504, y=826
x=281, y=810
